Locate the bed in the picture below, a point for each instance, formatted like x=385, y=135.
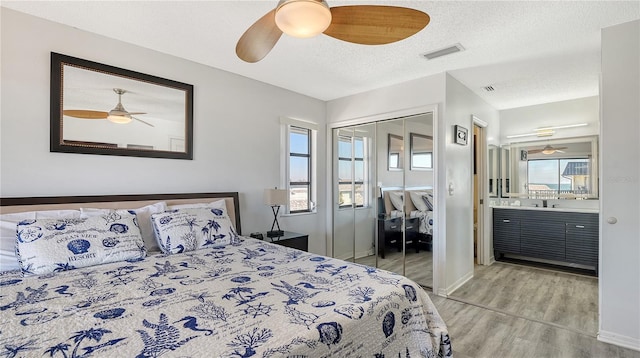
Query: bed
x=247, y=298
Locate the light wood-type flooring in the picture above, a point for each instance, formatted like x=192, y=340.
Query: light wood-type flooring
x=418, y=266
x=560, y=298
x=479, y=332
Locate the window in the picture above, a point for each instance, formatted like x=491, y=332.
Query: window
x=300, y=170
x=553, y=177
x=351, y=172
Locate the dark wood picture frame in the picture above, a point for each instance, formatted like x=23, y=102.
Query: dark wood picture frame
x=57, y=142
x=461, y=135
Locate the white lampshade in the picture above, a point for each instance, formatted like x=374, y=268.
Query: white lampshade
x=119, y=119
x=303, y=18
x=275, y=197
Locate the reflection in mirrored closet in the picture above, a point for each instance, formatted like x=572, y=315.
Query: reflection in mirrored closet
x=383, y=195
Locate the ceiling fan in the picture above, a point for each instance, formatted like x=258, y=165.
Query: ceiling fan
x=548, y=149
x=116, y=115
x=360, y=24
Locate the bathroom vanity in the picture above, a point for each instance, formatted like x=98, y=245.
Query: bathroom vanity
x=565, y=236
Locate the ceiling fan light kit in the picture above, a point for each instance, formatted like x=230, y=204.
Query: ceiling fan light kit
x=119, y=119
x=303, y=18
x=117, y=115
x=359, y=24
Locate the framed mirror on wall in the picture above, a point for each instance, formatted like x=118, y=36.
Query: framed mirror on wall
x=102, y=109
x=395, y=152
x=565, y=168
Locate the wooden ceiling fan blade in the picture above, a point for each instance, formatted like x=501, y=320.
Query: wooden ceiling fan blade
x=375, y=24
x=535, y=151
x=85, y=114
x=259, y=39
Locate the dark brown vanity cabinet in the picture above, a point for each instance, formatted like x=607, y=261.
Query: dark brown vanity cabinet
x=563, y=236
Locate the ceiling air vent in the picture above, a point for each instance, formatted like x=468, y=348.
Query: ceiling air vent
x=443, y=52
x=489, y=88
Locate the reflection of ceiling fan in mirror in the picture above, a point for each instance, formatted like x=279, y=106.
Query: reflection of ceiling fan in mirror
x=547, y=150
x=117, y=115
x=360, y=24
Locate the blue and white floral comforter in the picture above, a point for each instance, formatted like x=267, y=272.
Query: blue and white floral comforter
x=254, y=299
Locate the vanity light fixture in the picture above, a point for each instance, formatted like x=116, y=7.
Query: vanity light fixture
x=546, y=131
x=303, y=18
x=562, y=127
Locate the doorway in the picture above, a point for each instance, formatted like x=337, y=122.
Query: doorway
x=481, y=247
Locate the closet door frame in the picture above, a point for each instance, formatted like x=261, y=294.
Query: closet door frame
x=439, y=183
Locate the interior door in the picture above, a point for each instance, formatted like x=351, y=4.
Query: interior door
x=363, y=163
x=418, y=134
x=390, y=147
x=343, y=201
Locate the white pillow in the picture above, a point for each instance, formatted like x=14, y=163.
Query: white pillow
x=8, y=226
x=189, y=229
x=144, y=221
x=396, y=200
x=219, y=204
x=416, y=199
x=50, y=245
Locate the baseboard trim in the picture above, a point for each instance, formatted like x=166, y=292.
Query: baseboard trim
x=618, y=340
x=442, y=292
x=456, y=285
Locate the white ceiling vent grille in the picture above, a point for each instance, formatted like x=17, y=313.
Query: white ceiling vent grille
x=443, y=52
x=489, y=88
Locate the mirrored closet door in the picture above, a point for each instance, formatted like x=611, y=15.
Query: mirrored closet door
x=382, y=185
x=354, y=206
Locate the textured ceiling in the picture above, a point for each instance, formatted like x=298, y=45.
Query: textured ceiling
x=530, y=52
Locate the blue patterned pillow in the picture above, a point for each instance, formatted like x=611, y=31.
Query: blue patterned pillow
x=428, y=200
x=51, y=245
x=190, y=229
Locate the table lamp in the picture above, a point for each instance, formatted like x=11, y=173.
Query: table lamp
x=275, y=198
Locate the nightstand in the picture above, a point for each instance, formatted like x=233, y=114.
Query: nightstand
x=290, y=239
x=390, y=233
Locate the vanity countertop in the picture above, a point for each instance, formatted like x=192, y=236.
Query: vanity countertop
x=572, y=210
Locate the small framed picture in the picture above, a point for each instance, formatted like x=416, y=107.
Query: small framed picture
x=461, y=134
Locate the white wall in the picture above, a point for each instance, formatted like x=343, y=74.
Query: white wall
x=527, y=119
x=620, y=186
x=456, y=171
x=227, y=156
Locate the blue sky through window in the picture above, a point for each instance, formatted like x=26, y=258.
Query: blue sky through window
x=299, y=166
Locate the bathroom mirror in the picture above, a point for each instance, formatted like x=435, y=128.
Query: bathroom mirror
x=554, y=169
x=505, y=172
x=493, y=167
x=101, y=109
